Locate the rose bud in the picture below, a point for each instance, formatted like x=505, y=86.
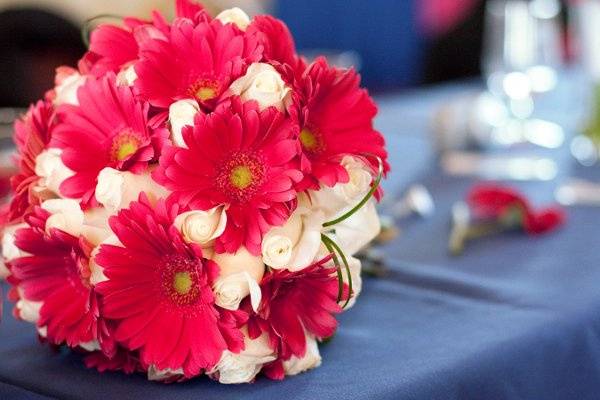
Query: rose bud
x=235, y=16
x=181, y=113
x=202, y=227
x=116, y=189
x=263, y=84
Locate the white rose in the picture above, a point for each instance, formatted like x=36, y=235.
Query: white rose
x=51, y=170
x=202, y=227
x=238, y=277
x=342, y=197
x=127, y=76
x=95, y=226
x=358, y=230
x=355, y=269
x=277, y=250
x=66, y=91
x=66, y=215
x=309, y=244
x=244, y=366
x=278, y=244
x=296, y=244
x=240, y=261
x=92, y=345
x=360, y=179
x=9, y=250
x=181, y=113
x=232, y=289
x=116, y=189
x=310, y=360
x=235, y=16
x=96, y=270
x=155, y=374
x=28, y=310
x=4, y=272
x=263, y=84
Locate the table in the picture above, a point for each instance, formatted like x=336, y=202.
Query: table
x=513, y=318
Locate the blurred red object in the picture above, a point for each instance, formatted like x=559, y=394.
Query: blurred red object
x=440, y=16
x=502, y=203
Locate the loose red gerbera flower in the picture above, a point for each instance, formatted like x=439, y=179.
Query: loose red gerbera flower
x=293, y=302
x=159, y=293
x=241, y=157
x=57, y=274
x=32, y=134
x=336, y=118
x=489, y=201
x=109, y=128
x=196, y=61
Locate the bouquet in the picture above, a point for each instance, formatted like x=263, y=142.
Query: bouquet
x=190, y=198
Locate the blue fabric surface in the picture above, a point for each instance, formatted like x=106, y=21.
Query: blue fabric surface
x=384, y=33
x=513, y=318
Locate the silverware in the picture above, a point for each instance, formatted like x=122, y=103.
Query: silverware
x=499, y=167
x=416, y=200
x=578, y=192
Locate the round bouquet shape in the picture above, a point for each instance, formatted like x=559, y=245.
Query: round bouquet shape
x=190, y=199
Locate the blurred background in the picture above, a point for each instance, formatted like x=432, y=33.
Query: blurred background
x=394, y=44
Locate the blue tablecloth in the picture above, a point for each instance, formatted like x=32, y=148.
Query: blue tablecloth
x=514, y=318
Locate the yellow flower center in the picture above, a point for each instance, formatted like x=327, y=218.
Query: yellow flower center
x=206, y=93
x=241, y=176
x=310, y=141
x=204, y=89
x=125, y=150
x=124, y=145
x=182, y=282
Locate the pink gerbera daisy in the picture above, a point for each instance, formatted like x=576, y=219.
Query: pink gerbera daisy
x=241, y=157
x=159, y=293
x=276, y=39
x=57, y=273
x=336, y=118
x=32, y=134
x=196, y=61
x=113, y=47
x=122, y=360
x=295, y=302
x=109, y=128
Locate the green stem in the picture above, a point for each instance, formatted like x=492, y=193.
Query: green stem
x=336, y=262
x=458, y=238
x=86, y=28
x=362, y=202
x=346, y=266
